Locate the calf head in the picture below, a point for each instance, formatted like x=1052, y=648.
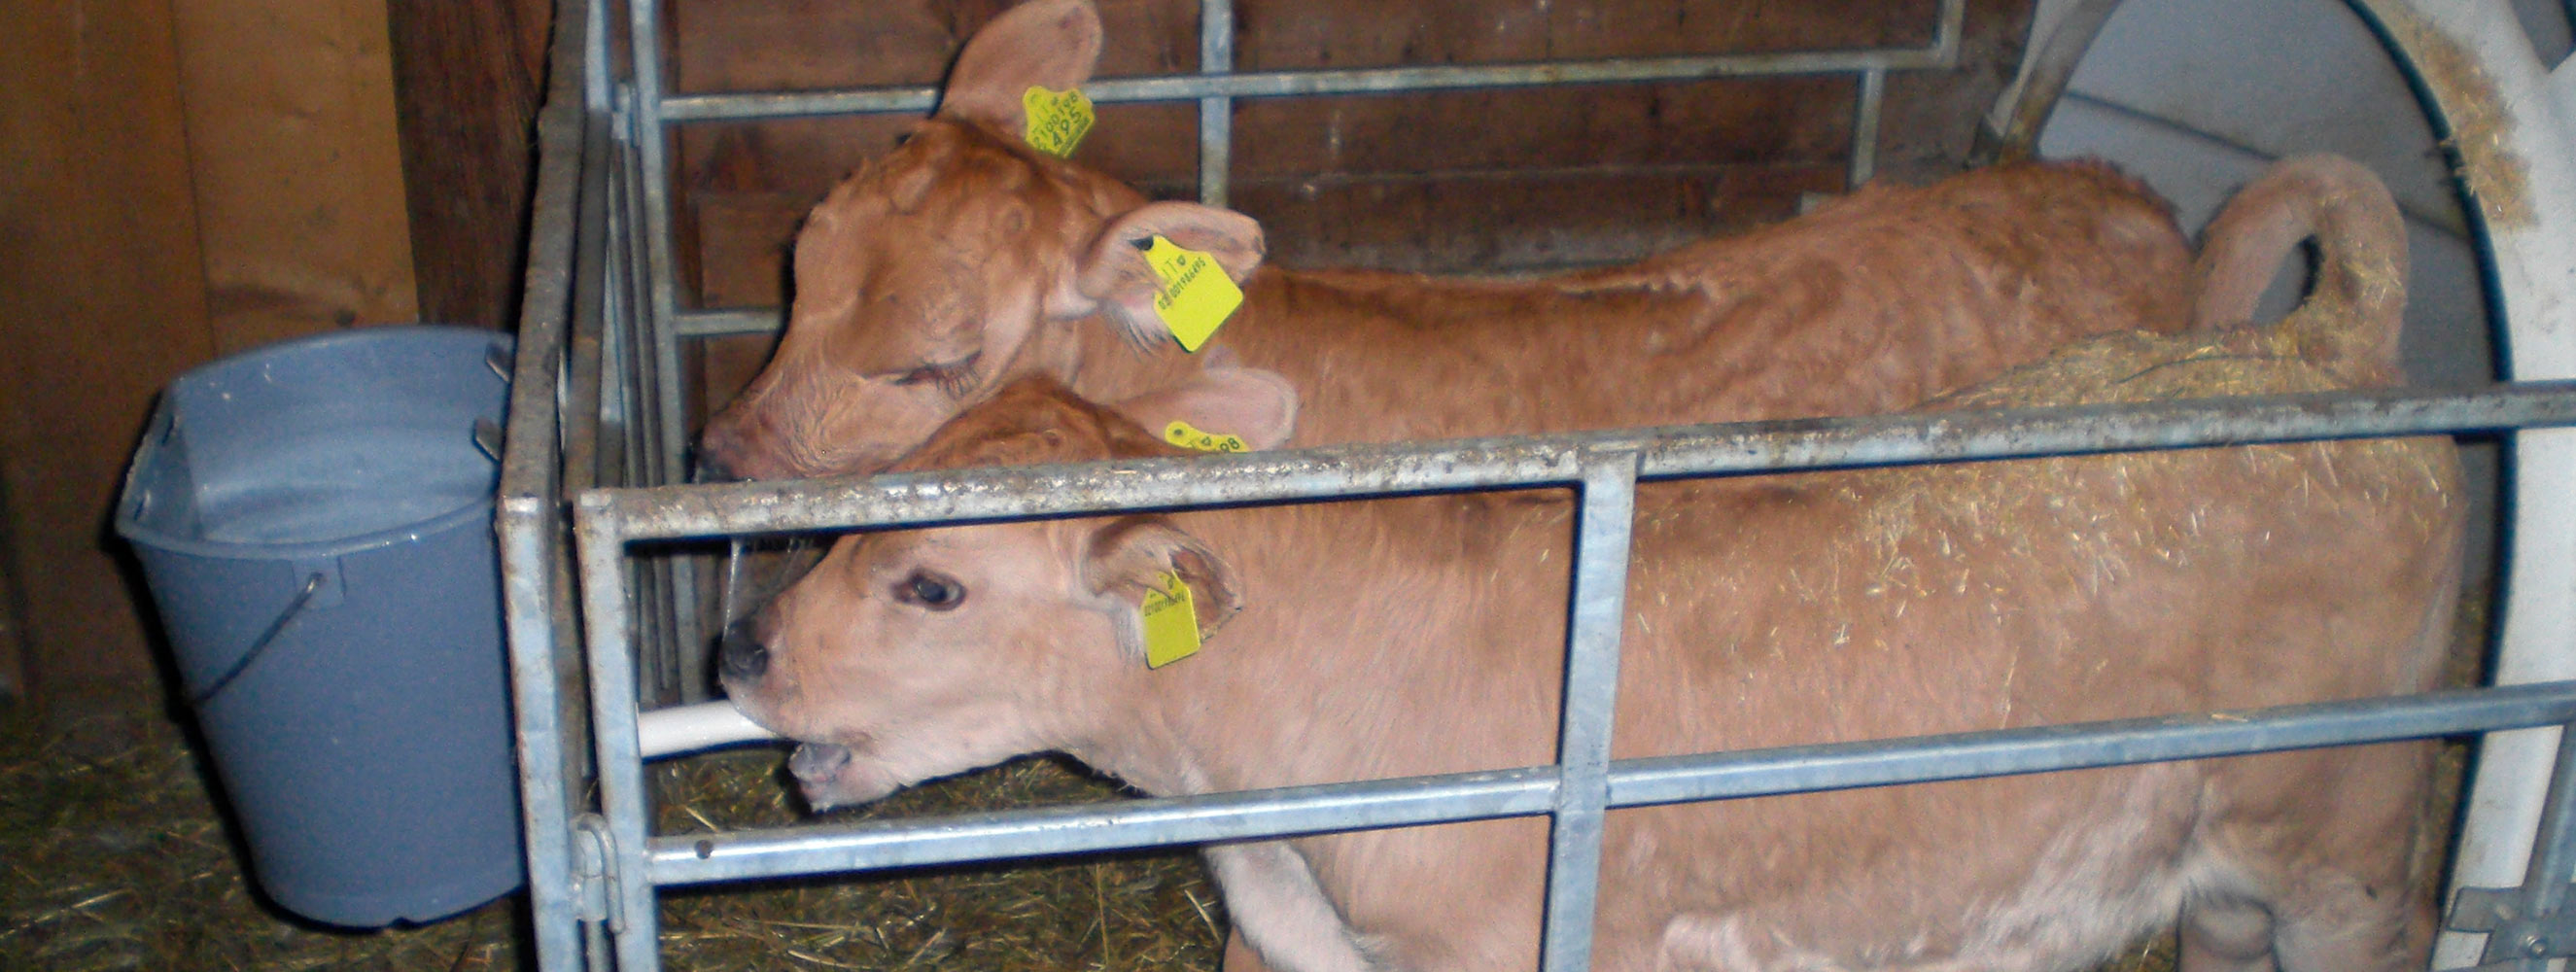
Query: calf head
x=911, y=654
x=963, y=259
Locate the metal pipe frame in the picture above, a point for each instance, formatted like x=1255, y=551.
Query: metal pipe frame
x=1583, y=784
x=583, y=182
x=1216, y=87
x=1942, y=52
x=569, y=218
x=1378, y=804
x=931, y=498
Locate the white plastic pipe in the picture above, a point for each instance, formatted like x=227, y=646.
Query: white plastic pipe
x=2513, y=124
x=690, y=728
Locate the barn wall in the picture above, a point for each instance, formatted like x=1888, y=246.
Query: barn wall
x=185, y=179
x=1469, y=181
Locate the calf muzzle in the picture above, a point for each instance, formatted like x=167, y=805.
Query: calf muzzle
x=742, y=656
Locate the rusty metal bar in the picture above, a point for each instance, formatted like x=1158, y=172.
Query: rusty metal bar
x=923, y=498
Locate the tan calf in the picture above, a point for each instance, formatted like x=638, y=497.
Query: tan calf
x=1425, y=635
x=964, y=259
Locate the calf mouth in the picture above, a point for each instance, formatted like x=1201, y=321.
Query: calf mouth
x=831, y=776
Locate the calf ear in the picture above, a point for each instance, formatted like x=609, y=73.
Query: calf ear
x=1128, y=557
x=1112, y=276
x=1048, y=43
x=1256, y=406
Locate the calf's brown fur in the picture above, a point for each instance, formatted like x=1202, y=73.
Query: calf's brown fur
x=1425, y=635
x=963, y=260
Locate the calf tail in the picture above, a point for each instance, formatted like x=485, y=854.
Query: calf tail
x=2349, y=323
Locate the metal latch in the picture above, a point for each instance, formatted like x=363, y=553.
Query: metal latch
x=594, y=871
x=2513, y=937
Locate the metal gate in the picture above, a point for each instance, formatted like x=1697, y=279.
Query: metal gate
x=596, y=425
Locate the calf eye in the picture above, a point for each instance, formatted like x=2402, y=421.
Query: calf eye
x=933, y=591
x=955, y=377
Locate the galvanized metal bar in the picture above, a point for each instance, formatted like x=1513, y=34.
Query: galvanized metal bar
x=628, y=407
x=1865, y=114
x=2524, y=940
x=1634, y=782
x=726, y=323
x=1591, y=698
x=663, y=421
x=634, y=920
x=1216, y=112
x=660, y=411
x=1945, y=33
x=1288, y=84
x=545, y=801
x=595, y=83
x=570, y=181
x=595, y=281
x=924, y=498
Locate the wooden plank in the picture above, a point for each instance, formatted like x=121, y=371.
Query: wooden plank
x=290, y=124
x=470, y=76
x=98, y=254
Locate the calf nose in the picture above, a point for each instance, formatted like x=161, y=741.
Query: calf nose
x=742, y=656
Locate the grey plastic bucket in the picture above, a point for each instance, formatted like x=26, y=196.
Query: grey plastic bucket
x=315, y=521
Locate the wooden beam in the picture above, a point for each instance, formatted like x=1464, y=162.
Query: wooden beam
x=290, y=121
x=106, y=301
x=470, y=76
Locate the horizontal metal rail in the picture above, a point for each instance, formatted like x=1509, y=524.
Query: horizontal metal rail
x=672, y=512
x=1353, y=81
x=1633, y=782
x=727, y=323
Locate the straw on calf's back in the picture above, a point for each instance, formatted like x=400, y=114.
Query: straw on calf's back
x=1425, y=635
x=964, y=259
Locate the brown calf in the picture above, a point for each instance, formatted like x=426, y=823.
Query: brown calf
x=1425, y=635
x=964, y=259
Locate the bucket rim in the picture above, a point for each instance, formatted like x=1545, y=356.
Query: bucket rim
x=365, y=334
x=134, y=531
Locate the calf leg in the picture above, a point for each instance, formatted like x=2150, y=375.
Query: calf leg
x=1239, y=956
x=2226, y=936
x=2356, y=927
x=1279, y=910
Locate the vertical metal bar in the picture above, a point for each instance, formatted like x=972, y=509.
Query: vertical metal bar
x=652, y=146
x=527, y=580
x=1591, y=696
x=1216, y=113
x=2545, y=890
x=571, y=170
x=1864, y=147
x=633, y=919
x=595, y=85
x=660, y=408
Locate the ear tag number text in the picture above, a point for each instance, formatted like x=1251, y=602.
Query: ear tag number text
x=1057, y=120
x=1192, y=295
x=1171, y=622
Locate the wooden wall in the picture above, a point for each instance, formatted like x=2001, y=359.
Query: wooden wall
x=1448, y=182
x=184, y=179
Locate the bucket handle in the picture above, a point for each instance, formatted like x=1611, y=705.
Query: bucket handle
x=312, y=585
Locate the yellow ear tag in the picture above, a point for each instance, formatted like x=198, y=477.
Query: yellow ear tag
x=1182, y=434
x=1057, y=120
x=1171, y=622
x=1194, y=295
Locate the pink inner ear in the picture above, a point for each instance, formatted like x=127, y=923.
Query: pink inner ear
x=1053, y=44
x=1114, y=273
x=1258, y=406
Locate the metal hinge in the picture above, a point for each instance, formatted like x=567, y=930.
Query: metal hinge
x=2513, y=936
x=594, y=871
